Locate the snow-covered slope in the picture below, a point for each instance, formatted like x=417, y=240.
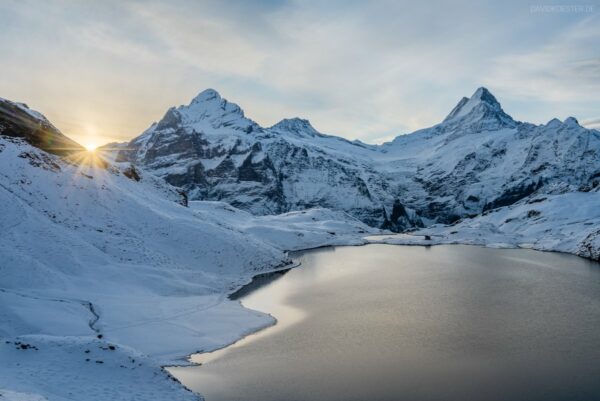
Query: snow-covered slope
x=568, y=222
x=51, y=368
x=479, y=159
x=91, y=249
x=211, y=150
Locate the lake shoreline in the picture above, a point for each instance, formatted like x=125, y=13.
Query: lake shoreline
x=254, y=284
x=387, y=239
x=402, y=239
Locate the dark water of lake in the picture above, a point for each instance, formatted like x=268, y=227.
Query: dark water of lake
x=384, y=322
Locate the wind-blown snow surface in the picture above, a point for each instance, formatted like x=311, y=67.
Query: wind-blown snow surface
x=86, y=250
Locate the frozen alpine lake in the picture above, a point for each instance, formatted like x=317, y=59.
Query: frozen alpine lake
x=386, y=322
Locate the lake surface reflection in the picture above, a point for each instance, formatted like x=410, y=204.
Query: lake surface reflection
x=383, y=322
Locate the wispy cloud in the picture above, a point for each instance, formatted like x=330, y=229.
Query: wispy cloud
x=368, y=70
x=566, y=68
x=592, y=123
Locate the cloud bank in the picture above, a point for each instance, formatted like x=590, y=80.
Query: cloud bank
x=362, y=70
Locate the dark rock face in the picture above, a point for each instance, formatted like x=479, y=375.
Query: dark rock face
x=590, y=246
x=16, y=120
x=514, y=194
x=132, y=173
x=400, y=219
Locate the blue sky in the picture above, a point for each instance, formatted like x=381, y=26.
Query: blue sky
x=103, y=71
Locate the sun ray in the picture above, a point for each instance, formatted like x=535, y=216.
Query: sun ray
x=91, y=147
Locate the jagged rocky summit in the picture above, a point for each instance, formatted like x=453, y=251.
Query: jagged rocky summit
x=214, y=152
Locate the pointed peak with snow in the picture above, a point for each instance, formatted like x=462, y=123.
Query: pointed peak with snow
x=294, y=124
x=207, y=112
x=572, y=121
x=569, y=122
x=209, y=102
x=483, y=109
x=553, y=122
x=207, y=95
x=482, y=94
x=297, y=126
x=466, y=105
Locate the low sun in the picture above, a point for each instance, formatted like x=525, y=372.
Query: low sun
x=90, y=147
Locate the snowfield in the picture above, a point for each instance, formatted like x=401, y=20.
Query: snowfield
x=40, y=368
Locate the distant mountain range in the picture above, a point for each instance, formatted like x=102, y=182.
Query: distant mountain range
x=477, y=159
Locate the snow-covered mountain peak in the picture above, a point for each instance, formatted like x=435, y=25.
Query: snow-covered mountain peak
x=553, y=123
x=481, y=111
x=209, y=103
x=484, y=95
x=207, y=95
x=572, y=121
x=207, y=113
x=295, y=125
x=466, y=105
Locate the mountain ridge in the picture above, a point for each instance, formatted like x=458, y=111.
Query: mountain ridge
x=19, y=121
x=467, y=164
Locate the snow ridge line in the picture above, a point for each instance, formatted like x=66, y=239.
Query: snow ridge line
x=86, y=304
